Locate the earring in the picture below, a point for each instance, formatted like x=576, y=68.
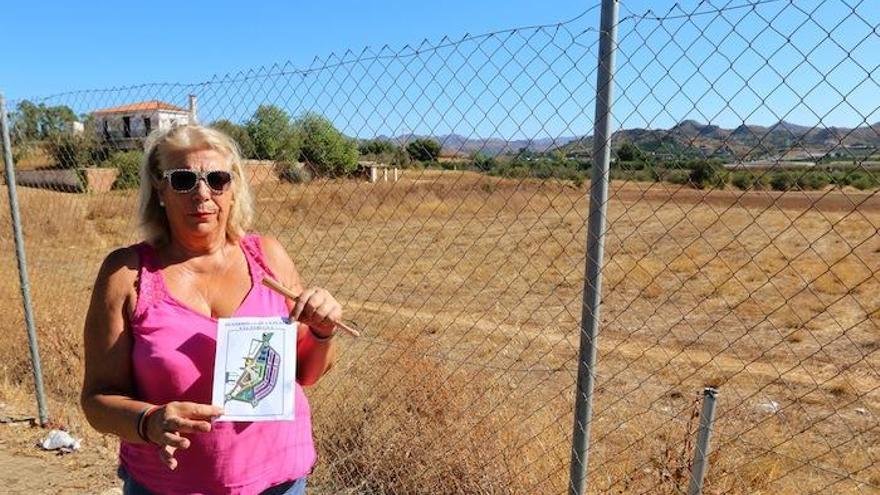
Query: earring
x=161, y=203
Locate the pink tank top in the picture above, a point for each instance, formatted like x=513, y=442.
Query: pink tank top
x=173, y=360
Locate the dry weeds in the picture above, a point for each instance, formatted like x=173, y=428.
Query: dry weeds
x=469, y=290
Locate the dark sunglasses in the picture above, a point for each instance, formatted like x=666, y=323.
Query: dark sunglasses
x=184, y=180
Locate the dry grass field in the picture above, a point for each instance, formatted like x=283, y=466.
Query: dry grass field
x=468, y=289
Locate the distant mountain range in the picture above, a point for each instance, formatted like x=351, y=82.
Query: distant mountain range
x=689, y=137
x=454, y=144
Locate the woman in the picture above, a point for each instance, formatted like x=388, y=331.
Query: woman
x=150, y=333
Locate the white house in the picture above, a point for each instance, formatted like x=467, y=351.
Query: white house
x=126, y=125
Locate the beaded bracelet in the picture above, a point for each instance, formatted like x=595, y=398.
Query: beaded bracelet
x=143, y=416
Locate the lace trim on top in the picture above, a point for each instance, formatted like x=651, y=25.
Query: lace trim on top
x=151, y=287
x=252, y=246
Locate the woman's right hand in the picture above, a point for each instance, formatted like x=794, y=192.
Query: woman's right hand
x=167, y=426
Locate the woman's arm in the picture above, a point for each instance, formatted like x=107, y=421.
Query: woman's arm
x=107, y=386
x=317, y=308
x=107, y=394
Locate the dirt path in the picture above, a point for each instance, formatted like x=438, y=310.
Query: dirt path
x=26, y=474
x=25, y=469
x=806, y=374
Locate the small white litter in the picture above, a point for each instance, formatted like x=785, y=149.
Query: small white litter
x=769, y=407
x=60, y=440
x=861, y=410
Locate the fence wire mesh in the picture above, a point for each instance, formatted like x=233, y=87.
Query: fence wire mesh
x=438, y=191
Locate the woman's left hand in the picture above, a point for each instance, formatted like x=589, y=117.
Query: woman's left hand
x=318, y=309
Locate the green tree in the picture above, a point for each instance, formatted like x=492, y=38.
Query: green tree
x=272, y=134
x=239, y=134
x=384, y=151
x=400, y=157
x=706, y=174
x=629, y=152
x=35, y=122
x=56, y=120
x=482, y=162
x=26, y=122
x=323, y=147
x=423, y=150
x=377, y=147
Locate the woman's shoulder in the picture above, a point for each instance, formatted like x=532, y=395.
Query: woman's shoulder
x=121, y=264
x=275, y=255
x=117, y=279
x=270, y=245
x=270, y=248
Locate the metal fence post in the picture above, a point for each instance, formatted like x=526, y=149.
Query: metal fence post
x=22, y=263
x=701, y=452
x=599, y=178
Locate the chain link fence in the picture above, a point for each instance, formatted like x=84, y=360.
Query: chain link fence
x=440, y=192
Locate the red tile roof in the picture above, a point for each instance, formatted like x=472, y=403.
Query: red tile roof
x=141, y=107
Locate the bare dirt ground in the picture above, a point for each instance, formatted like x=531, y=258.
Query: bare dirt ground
x=27, y=469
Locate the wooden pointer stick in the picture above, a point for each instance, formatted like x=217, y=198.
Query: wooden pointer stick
x=284, y=291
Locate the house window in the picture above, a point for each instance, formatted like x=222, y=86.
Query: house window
x=148, y=126
x=106, y=130
x=126, y=127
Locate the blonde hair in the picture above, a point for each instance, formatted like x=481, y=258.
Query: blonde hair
x=160, y=146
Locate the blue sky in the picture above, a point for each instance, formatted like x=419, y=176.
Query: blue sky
x=61, y=45
x=774, y=61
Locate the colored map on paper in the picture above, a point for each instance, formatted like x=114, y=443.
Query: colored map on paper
x=255, y=369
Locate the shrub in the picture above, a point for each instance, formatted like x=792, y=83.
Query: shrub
x=294, y=172
x=632, y=175
x=424, y=150
x=572, y=174
x=419, y=426
x=543, y=170
x=863, y=181
x=782, y=180
x=377, y=147
x=860, y=179
x=628, y=152
x=128, y=163
x=644, y=175
x=271, y=133
x=238, y=134
x=812, y=180
x=383, y=151
x=482, y=162
x=23, y=150
x=706, y=174
x=629, y=165
x=762, y=180
x=515, y=172
x=400, y=158
x=750, y=181
x=324, y=147
x=73, y=150
x=677, y=176
x=743, y=180
x=839, y=178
